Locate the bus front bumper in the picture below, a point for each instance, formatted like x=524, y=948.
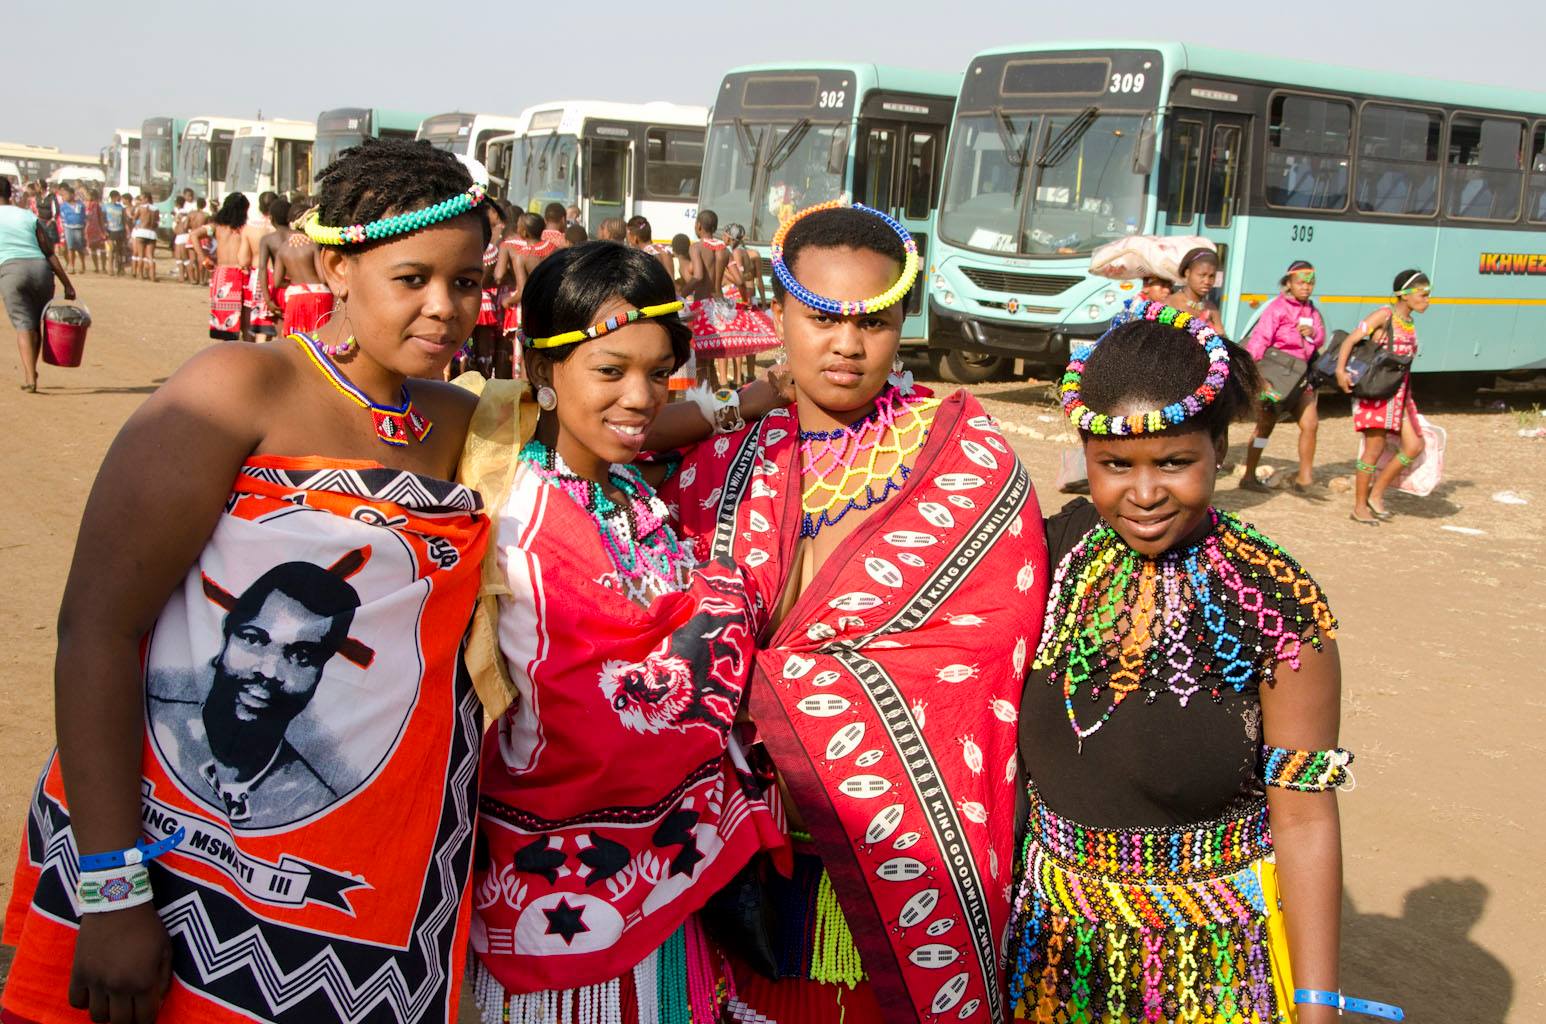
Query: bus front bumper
x=1039, y=346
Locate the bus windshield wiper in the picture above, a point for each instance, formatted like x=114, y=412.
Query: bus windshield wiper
x=1014, y=151
x=1064, y=141
x=745, y=140
x=786, y=146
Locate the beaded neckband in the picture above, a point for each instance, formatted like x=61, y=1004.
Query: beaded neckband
x=397, y=224
x=1087, y=419
x=606, y=326
x=843, y=307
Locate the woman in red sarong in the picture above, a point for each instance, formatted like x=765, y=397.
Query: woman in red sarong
x=258, y=678
x=615, y=797
x=898, y=540
x=1375, y=418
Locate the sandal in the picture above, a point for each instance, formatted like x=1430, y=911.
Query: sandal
x=1363, y=522
x=1382, y=514
x=1254, y=483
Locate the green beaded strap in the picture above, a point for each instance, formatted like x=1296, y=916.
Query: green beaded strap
x=1405, y=459
x=1363, y=467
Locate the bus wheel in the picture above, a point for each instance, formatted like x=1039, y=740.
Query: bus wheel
x=965, y=367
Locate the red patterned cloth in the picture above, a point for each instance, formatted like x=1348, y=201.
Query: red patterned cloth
x=723, y=329
x=488, y=309
x=306, y=307
x=887, y=695
x=1387, y=413
x=227, y=286
x=258, y=317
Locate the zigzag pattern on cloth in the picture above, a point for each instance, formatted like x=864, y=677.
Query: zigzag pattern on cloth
x=423, y=494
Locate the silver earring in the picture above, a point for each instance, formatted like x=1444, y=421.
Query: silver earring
x=547, y=398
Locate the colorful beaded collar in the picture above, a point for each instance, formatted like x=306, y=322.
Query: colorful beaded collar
x=844, y=307
x=394, y=423
x=1087, y=419
x=397, y=224
x=606, y=326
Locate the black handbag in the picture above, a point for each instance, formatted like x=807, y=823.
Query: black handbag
x=1386, y=370
x=1282, y=375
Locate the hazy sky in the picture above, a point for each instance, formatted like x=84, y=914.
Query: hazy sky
x=71, y=78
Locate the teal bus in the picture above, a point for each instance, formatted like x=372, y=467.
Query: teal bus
x=1058, y=149
x=343, y=127
x=783, y=137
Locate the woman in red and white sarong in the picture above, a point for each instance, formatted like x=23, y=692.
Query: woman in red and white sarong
x=519, y=254
x=259, y=651
x=1375, y=418
x=900, y=541
x=615, y=796
x=230, y=267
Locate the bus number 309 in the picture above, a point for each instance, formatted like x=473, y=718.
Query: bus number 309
x=833, y=98
x=1302, y=233
x=1127, y=83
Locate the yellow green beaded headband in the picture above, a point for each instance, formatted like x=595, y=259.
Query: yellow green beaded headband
x=397, y=224
x=606, y=326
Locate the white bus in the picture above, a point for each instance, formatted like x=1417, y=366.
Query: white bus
x=121, y=162
x=204, y=157
x=271, y=156
x=467, y=134
x=609, y=159
x=42, y=163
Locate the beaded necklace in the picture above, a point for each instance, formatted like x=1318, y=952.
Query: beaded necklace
x=394, y=423
x=851, y=455
x=1220, y=612
x=638, y=538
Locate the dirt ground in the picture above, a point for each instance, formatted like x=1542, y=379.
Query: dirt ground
x=1441, y=914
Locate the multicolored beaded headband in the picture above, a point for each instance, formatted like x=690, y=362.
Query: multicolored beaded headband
x=606, y=326
x=838, y=307
x=397, y=224
x=1087, y=419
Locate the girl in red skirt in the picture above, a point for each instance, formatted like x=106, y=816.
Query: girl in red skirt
x=1375, y=417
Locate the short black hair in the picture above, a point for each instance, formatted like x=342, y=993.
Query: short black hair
x=575, y=234
x=554, y=213
x=265, y=198
x=233, y=212
x=323, y=593
x=708, y=221
x=839, y=228
x=681, y=244
x=531, y=226
x=279, y=210
x=639, y=225
x=566, y=290
x=1409, y=278
x=1144, y=364
x=5, y=188
x=380, y=177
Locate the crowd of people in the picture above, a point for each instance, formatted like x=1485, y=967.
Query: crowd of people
x=387, y=671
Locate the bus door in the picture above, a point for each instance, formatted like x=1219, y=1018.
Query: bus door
x=607, y=175
x=897, y=171
x=1207, y=176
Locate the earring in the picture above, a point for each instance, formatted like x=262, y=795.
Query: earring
x=346, y=346
x=547, y=398
x=900, y=379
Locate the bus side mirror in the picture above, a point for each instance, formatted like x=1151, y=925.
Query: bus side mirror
x=1143, y=148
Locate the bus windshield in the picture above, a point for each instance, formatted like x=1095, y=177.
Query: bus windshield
x=156, y=159
x=543, y=170
x=1043, y=184
x=448, y=131
x=757, y=174
x=329, y=145
x=193, y=165
x=246, y=163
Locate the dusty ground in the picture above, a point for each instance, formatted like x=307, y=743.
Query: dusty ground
x=1441, y=634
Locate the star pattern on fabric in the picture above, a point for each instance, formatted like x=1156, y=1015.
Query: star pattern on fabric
x=566, y=921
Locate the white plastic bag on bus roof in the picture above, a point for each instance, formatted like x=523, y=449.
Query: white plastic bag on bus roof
x=1146, y=256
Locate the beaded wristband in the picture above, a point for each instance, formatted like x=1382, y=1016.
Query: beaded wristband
x=139, y=853
x=606, y=326
x=119, y=888
x=1306, y=771
x=843, y=307
x=1085, y=418
x=1347, y=1004
x=397, y=224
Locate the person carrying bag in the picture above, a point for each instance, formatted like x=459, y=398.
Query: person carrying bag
x=1284, y=343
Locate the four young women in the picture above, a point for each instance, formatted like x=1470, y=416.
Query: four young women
x=817, y=629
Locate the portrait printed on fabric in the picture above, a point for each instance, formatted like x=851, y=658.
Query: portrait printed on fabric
x=285, y=687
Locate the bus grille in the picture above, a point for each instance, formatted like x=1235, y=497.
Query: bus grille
x=1020, y=284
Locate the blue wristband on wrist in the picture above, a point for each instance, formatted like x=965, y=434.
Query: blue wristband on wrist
x=140, y=853
x=1347, y=1004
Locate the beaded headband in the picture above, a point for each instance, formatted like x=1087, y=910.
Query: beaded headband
x=836, y=307
x=606, y=326
x=397, y=224
x=1087, y=419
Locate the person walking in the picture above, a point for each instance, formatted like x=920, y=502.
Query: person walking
x=1290, y=324
x=72, y=223
x=96, y=232
x=229, y=272
x=1394, y=329
x=28, y=266
x=117, y=237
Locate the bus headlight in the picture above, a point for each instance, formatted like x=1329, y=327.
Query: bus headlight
x=1092, y=311
x=1108, y=296
x=939, y=283
x=947, y=296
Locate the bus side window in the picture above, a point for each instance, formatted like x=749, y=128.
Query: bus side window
x=1535, y=207
x=922, y=175
x=1485, y=154
x=879, y=168
x=1185, y=154
x=1398, y=160
x=1223, y=176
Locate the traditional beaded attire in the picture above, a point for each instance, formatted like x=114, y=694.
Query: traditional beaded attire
x=1148, y=890
x=332, y=882
x=1387, y=413
x=616, y=799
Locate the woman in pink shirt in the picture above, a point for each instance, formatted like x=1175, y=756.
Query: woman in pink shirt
x=1293, y=324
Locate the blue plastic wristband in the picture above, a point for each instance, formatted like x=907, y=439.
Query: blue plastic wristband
x=138, y=854
x=1347, y=1004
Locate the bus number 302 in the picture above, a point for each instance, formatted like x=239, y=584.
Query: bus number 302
x=833, y=98
x=1302, y=233
x=1127, y=83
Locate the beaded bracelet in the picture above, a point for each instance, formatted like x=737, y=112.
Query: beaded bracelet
x=606, y=326
x=120, y=888
x=1174, y=414
x=1306, y=771
x=397, y=224
x=843, y=307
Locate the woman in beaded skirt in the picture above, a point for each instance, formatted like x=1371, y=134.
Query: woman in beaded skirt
x=1179, y=847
